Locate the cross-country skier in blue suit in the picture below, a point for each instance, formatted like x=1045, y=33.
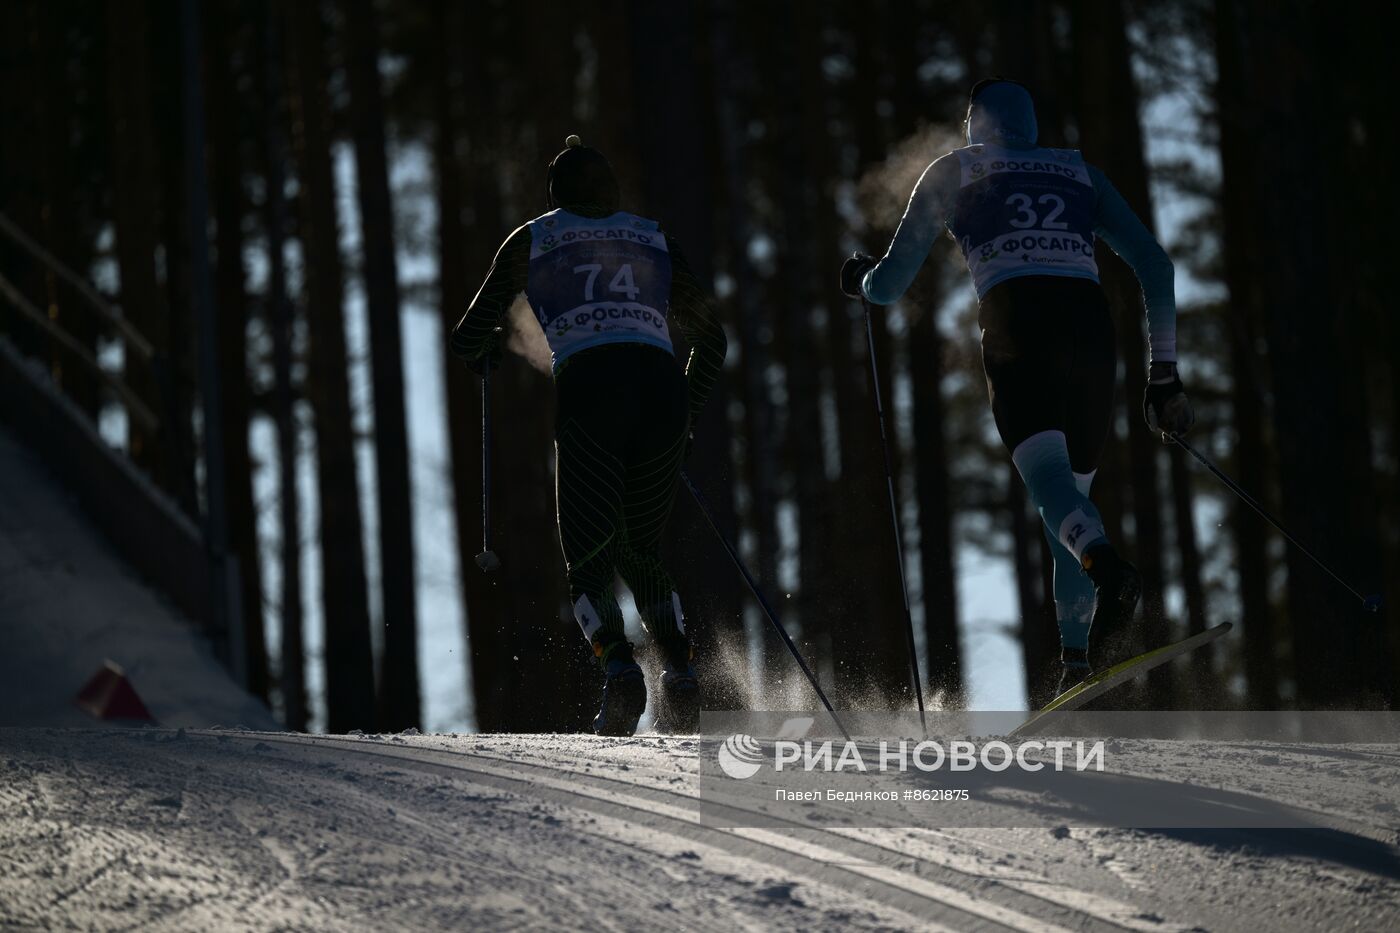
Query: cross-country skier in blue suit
x=1025, y=218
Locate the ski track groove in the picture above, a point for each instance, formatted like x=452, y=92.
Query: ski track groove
x=1113, y=912
x=1080, y=910
x=902, y=892
x=916, y=920
x=1082, y=880
x=604, y=902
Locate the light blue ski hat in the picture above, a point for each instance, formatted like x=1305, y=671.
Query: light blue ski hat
x=1001, y=111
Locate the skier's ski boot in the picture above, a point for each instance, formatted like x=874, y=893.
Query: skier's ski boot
x=678, y=711
x=1074, y=667
x=1117, y=586
x=624, y=692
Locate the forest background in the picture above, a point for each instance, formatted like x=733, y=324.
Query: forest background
x=362, y=161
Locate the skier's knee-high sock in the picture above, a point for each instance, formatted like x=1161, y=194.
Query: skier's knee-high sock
x=595, y=607
x=657, y=601
x=1074, y=591
x=654, y=591
x=1070, y=518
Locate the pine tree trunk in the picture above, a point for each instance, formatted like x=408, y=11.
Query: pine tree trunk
x=22, y=58
x=1252, y=564
x=1367, y=53
x=939, y=570
x=485, y=611
x=62, y=233
x=1183, y=516
x=1111, y=137
x=677, y=132
x=736, y=40
x=1313, y=423
x=229, y=207
x=399, y=703
x=134, y=186
x=279, y=318
x=926, y=347
x=175, y=370
x=349, y=662
x=1248, y=378
x=454, y=292
x=463, y=254
x=1353, y=303
x=869, y=640
x=554, y=676
x=802, y=151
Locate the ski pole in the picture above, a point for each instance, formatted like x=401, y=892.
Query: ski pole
x=762, y=602
x=487, y=559
x=894, y=514
x=1370, y=603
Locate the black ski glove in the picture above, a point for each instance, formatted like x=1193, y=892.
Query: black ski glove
x=853, y=271
x=1164, y=404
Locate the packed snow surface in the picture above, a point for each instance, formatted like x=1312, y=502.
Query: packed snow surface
x=69, y=602
x=156, y=829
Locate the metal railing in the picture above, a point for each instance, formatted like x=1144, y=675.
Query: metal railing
x=134, y=341
x=164, y=544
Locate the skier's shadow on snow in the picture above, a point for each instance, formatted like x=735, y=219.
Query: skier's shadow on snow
x=1261, y=826
x=1336, y=846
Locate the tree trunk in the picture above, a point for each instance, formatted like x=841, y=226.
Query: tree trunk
x=803, y=154
x=229, y=208
x=938, y=564
x=463, y=251
x=1352, y=300
x=22, y=57
x=672, y=155
x=1373, y=194
x=462, y=389
x=869, y=641
x=175, y=370
x=552, y=675
x=1111, y=136
x=1248, y=379
x=1272, y=45
x=755, y=344
x=279, y=317
x=399, y=705
x=349, y=661
x=134, y=187
x=63, y=234
x=1183, y=515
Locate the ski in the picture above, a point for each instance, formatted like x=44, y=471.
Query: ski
x=1096, y=685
